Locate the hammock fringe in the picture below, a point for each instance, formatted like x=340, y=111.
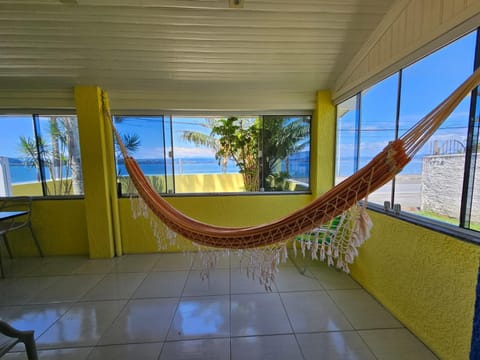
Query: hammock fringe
x=272, y=237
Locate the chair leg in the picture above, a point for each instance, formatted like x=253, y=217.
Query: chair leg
x=2, y=272
x=36, y=241
x=30, y=346
x=7, y=245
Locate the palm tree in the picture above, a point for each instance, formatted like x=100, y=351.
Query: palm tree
x=281, y=137
x=240, y=140
x=205, y=140
x=61, y=157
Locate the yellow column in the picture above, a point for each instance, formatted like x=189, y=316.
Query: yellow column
x=323, y=144
x=96, y=144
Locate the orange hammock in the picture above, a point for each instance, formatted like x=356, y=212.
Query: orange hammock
x=381, y=169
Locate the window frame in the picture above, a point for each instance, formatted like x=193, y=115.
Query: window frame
x=35, y=116
x=463, y=230
x=169, y=116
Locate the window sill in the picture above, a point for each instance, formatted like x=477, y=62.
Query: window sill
x=467, y=235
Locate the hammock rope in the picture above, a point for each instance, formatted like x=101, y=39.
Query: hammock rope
x=380, y=170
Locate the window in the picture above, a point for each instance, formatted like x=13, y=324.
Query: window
x=347, y=138
x=40, y=156
x=426, y=185
x=439, y=182
x=377, y=126
x=144, y=139
x=219, y=154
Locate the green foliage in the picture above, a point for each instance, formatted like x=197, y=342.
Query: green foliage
x=277, y=181
x=239, y=141
x=281, y=137
x=55, y=156
x=131, y=141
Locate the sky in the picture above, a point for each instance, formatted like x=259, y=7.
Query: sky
x=424, y=85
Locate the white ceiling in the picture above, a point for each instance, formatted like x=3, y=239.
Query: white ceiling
x=289, y=47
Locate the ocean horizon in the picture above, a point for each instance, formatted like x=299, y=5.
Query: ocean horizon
x=298, y=168
x=21, y=173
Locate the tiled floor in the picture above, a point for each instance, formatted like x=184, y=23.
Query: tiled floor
x=157, y=306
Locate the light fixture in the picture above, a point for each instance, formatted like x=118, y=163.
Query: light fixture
x=236, y=4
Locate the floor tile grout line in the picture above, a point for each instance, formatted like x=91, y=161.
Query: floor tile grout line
x=175, y=310
x=291, y=326
x=70, y=304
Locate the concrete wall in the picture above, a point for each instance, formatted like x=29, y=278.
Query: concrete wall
x=442, y=184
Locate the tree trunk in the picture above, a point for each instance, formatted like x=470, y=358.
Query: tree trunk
x=73, y=143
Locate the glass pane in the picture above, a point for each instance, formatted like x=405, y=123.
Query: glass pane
x=19, y=168
x=377, y=126
x=434, y=177
x=197, y=170
x=143, y=137
x=60, y=148
x=346, y=158
x=472, y=218
x=286, y=153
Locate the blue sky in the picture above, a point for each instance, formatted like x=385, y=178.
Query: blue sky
x=424, y=85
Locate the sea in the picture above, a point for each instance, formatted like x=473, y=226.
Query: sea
x=298, y=168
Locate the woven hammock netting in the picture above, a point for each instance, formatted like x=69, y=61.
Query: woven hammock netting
x=339, y=204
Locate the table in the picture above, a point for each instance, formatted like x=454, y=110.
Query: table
x=4, y=215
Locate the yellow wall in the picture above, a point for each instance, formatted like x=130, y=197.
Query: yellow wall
x=60, y=228
x=209, y=183
x=242, y=210
x=426, y=279
x=96, y=145
x=323, y=144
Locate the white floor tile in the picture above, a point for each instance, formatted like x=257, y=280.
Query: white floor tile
x=142, y=320
x=220, y=260
x=60, y=265
x=342, y=345
x=82, y=325
x=211, y=349
x=126, y=352
x=201, y=317
x=362, y=310
x=162, y=284
x=34, y=317
x=156, y=306
x=95, y=266
x=313, y=311
x=216, y=283
x=66, y=288
x=57, y=354
x=174, y=262
x=64, y=354
x=21, y=266
x=115, y=286
x=290, y=279
x=18, y=291
x=331, y=278
x=135, y=263
x=396, y=344
x=258, y=314
x=241, y=283
x=279, y=347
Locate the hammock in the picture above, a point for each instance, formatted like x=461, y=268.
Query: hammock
x=346, y=195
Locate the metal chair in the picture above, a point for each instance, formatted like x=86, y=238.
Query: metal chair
x=10, y=336
x=21, y=203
